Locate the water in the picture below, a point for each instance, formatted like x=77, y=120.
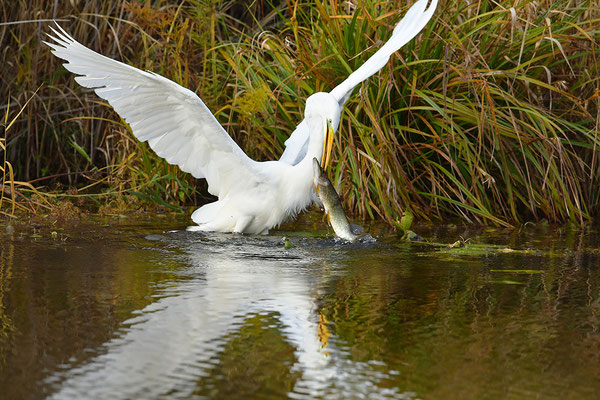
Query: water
x=125, y=309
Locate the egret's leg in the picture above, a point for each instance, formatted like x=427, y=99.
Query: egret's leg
x=243, y=223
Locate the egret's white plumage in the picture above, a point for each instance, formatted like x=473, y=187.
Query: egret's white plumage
x=253, y=196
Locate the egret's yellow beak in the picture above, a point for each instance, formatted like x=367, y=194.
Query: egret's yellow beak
x=327, y=146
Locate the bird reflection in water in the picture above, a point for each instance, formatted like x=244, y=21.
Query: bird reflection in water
x=175, y=343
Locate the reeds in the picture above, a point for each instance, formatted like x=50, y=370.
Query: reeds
x=490, y=115
x=8, y=185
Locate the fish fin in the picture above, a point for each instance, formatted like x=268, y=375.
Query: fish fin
x=356, y=229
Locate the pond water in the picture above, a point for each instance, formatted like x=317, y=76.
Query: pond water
x=124, y=308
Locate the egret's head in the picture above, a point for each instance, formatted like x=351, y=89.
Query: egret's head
x=323, y=113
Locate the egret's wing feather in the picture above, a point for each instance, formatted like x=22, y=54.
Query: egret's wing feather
x=296, y=146
x=176, y=123
x=413, y=22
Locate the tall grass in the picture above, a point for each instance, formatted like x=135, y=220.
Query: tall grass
x=490, y=115
x=8, y=184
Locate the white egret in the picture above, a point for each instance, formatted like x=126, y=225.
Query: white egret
x=252, y=196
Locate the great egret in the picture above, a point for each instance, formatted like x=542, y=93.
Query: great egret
x=252, y=196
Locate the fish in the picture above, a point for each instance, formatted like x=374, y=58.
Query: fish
x=331, y=202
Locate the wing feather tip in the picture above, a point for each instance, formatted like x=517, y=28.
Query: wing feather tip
x=109, y=74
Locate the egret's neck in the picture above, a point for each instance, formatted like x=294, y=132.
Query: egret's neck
x=315, y=150
x=299, y=182
x=316, y=128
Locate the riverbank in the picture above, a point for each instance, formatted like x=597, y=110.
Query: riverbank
x=490, y=116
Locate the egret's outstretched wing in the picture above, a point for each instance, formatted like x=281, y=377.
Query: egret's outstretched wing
x=296, y=145
x=176, y=123
x=413, y=22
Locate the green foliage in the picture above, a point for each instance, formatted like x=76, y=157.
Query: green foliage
x=489, y=115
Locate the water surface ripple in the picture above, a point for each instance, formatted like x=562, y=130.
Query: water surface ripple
x=127, y=314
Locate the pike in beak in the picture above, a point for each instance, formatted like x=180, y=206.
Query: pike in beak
x=327, y=146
